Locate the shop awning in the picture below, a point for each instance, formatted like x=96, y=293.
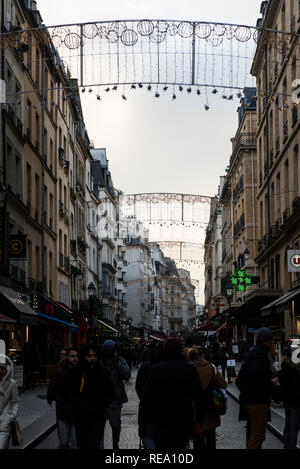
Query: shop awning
x=221, y=327
x=4, y=318
x=107, y=325
x=53, y=309
x=280, y=303
x=72, y=327
x=156, y=338
x=17, y=303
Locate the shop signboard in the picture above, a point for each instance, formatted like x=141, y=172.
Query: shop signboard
x=17, y=246
x=293, y=260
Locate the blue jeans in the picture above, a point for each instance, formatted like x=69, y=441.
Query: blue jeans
x=292, y=427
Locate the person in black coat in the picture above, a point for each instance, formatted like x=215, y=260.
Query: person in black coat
x=289, y=379
x=224, y=355
x=173, y=399
x=145, y=428
x=257, y=388
x=59, y=391
x=92, y=393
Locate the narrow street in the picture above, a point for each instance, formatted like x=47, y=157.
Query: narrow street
x=231, y=434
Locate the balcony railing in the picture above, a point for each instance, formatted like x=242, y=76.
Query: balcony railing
x=296, y=204
x=244, y=140
x=277, y=146
x=239, y=225
x=293, y=25
x=294, y=116
x=286, y=215
x=285, y=131
x=238, y=187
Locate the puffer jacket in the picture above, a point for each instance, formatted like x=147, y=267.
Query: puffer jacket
x=9, y=398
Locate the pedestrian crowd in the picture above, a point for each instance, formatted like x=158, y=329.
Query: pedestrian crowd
x=181, y=390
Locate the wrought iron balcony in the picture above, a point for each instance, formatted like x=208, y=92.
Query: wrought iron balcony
x=286, y=215
x=296, y=204
x=244, y=140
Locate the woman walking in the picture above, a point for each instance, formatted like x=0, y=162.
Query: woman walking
x=9, y=400
x=207, y=373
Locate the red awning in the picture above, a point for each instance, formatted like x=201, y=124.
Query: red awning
x=4, y=318
x=221, y=327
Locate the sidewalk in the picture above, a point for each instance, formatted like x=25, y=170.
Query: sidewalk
x=277, y=410
x=33, y=405
x=35, y=416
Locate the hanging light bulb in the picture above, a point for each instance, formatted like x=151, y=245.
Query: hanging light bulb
x=83, y=90
x=133, y=87
x=165, y=88
x=173, y=97
x=107, y=90
x=157, y=95
x=90, y=90
x=115, y=88
x=149, y=87
x=214, y=91
x=140, y=85
x=189, y=90
x=180, y=88
x=98, y=97
x=198, y=92
x=206, y=107
x=124, y=97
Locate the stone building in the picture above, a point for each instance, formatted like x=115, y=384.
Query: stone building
x=278, y=169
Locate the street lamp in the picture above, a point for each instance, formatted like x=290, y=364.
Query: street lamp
x=229, y=293
x=246, y=254
x=91, y=289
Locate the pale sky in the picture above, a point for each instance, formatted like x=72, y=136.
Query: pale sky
x=156, y=145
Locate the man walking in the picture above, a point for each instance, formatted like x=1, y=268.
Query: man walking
x=59, y=392
x=173, y=399
x=92, y=392
x=257, y=388
x=119, y=371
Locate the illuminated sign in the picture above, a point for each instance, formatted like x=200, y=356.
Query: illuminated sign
x=240, y=280
x=293, y=260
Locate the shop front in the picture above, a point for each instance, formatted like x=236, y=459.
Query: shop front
x=287, y=308
x=17, y=320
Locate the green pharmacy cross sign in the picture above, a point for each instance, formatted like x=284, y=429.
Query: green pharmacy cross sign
x=240, y=280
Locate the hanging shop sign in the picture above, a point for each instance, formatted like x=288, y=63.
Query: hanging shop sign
x=293, y=260
x=17, y=246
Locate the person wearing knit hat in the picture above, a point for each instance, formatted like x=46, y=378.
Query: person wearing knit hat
x=264, y=335
x=173, y=346
x=257, y=383
x=108, y=345
x=173, y=399
x=119, y=371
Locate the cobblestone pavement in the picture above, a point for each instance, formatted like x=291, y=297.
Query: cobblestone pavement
x=231, y=434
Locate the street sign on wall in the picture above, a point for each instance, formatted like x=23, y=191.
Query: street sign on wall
x=293, y=260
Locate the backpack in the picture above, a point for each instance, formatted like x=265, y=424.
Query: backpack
x=217, y=397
